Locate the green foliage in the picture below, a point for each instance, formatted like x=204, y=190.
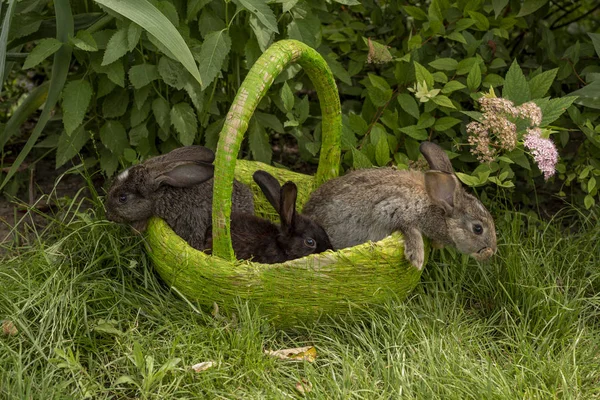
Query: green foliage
x=406, y=73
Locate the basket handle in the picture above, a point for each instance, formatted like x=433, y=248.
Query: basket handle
x=260, y=77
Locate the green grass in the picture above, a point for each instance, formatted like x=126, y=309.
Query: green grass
x=94, y=320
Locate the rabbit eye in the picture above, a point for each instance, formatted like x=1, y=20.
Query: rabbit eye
x=477, y=229
x=310, y=242
x=122, y=198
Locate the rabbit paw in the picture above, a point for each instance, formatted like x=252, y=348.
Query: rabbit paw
x=415, y=256
x=413, y=248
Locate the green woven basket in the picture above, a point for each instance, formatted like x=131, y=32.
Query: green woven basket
x=298, y=290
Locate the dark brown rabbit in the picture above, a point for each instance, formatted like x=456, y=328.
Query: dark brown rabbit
x=176, y=187
x=370, y=204
x=264, y=242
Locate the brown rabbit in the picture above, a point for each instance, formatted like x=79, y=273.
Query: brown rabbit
x=370, y=204
x=176, y=187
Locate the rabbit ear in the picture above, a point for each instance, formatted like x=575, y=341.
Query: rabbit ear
x=287, y=212
x=269, y=186
x=436, y=157
x=185, y=175
x=442, y=189
x=197, y=154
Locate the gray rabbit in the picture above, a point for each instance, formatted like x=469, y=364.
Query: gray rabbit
x=176, y=187
x=370, y=204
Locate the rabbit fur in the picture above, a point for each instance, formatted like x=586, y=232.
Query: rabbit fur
x=370, y=204
x=176, y=187
x=267, y=243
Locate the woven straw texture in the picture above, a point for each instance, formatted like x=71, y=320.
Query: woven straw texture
x=298, y=290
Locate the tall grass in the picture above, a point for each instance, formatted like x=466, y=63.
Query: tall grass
x=94, y=320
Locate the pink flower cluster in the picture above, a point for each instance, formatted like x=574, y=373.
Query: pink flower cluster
x=543, y=151
x=496, y=132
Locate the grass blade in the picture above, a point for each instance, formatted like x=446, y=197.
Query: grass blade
x=60, y=69
x=152, y=20
x=31, y=103
x=4, y=39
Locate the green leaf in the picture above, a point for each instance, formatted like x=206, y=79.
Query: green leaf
x=457, y=37
x=70, y=145
x=114, y=137
x=415, y=12
x=474, y=78
x=499, y=6
x=307, y=30
x=591, y=185
x=595, y=41
x=258, y=141
x=452, y=86
x=115, y=104
x=357, y=124
x=463, y=23
x=468, y=179
x=287, y=97
x=171, y=72
x=589, y=201
x=445, y=123
x=378, y=96
x=134, y=32
x=443, y=101
x=215, y=48
x=426, y=121
x=588, y=95
x=539, y=84
x=414, y=132
x=359, y=160
x=139, y=115
x=348, y=2
x=515, y=87
x=160, y=109
x=84, y=41
x=269, y=121
x=481, y=21
x=493, y=80
x=409, y=104
x=116, y=48
x=465, y=65
x=143, y=74
x=530, y=6
x=338, y=69
x=183, y=118
x=378, y=53
x=138, y=134
x=444, y=64
x=76, y=99
x=109, y=162
x=210, y=22
x=287, y=5
x=152, y=20
x=382, y=150
x=422, y=75
x=555, y=108
x=44, y=49
x=194, y=7
x=262, y=11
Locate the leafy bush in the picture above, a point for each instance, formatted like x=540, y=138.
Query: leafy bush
x=406, y=73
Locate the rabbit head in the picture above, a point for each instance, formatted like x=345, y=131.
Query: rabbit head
x=470, y=225
x=299, y=235
x=131, y=196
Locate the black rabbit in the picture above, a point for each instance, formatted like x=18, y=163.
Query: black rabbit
x=264, y=242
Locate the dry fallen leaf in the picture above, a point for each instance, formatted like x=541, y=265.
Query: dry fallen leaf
x=304, y=386
x=9, y=328
x=203, y=366
x=307, y=353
